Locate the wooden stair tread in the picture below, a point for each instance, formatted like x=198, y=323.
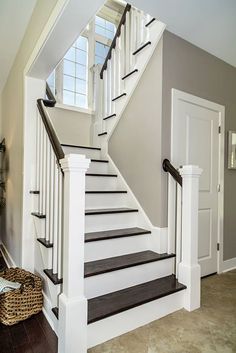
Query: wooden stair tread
x=118, y=97
x=53, y=276
x=45, y=242
x=97, y=211
x=109, y=116
x=102, y=133
x=56, y=312
x=102, y=175
x=98, y=267
x=113, y=303
x=106, y=192
x=38, y=215
x=99, y=160
x=115, y=233
x=129, y=74
x=141, y=48
x=85, y=147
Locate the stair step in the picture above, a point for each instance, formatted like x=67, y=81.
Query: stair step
x=115, y=233
x=102, y=133
x=85, y=147
x=106, y=192
x=38, y=215
x=109, y=116
x=101, y=175
x=129, y=74
x=53, y=276
x=99, y=160
x=56, y=312
x=99, y=211
x=150, y=22
x=45, y=242
x=120, y=96
x=98, y=267
x=114, y=303
x=141, y=48
x=35, y=192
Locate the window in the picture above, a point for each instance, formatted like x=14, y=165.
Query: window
x=104, y=28
x=51, y=82
x=75, y=74
x=101, y=51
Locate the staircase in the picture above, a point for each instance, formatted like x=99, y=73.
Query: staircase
x=104, y=268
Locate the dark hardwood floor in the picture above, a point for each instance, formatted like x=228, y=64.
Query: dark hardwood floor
x=30, y=336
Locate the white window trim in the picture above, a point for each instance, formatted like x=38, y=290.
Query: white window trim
x=74, y=108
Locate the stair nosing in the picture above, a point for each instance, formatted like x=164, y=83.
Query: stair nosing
x=55, y=311
x=51, y=276
x=117, y=236
x=124, y=266
x=109, y=211
x=101, y=175
x=99, y=160
x=150, y=22
x=38, y=215
x=102, y=133
x=109, y=116
x=106, y=192
x=45, y=243
x=120, y=96
x=34, y=192
x=129, y=74
x=85, y=147
x=142, y=47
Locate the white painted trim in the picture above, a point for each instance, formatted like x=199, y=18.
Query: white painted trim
x=229, y=265
x=47, y=311
x=7, y=257
x=75, y=109
x=180, y=95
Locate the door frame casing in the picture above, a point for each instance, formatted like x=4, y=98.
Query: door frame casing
x=177, y=95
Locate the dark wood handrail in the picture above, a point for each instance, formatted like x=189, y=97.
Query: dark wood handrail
x=51, y=101
x=113, y=44
x=50, y=130
x=169, y=168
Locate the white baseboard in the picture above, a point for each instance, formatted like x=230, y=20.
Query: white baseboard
x=7, y=257
x=229, y=265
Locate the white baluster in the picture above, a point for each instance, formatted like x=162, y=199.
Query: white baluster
x=127, y=43
x=171, y=213
x=51, y=195
x=178, y=228
x=113, y=77
x=189, y=269
x=109, y=97
x=47, y=189
x=122, y=56
x=105, y=93
x=60, y=223
x=55, y=217
x=117, y=67
x=40, y=170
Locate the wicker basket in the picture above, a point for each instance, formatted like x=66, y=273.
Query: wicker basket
x=19, y=304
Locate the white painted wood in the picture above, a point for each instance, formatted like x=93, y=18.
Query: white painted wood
x=189, y=269
x=129, y=320
x=127, y=43
x=101, y=183
x=178, y=228
x=47, y=187
x=55, y=229
x=60, y=222
x=117, y=280
x=106, y=200
x=101, y=222
x=51, y=194
x=171, y=214
x=89, y=153
x=72, y=303
x=97, y=167
x=194, y=120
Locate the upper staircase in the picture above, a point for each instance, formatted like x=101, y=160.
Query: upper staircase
x=104, y=268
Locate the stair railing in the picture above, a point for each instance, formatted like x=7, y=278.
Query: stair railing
x=60, y=182
x=183, y=194
x=132, y=32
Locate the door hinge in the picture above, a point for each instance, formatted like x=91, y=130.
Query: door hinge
x=218, y=246
x=219, y=129
x=218, y=187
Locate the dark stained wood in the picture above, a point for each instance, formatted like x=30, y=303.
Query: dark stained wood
x=56, y=312
x=109, y=116
x=3, y=264
x=169, y=168
x=141, y=48
x=99, y=211
x=120, y=96
x=50, y=131
x=115, y=233
x=98, y=267
x=35, y=192
x=33, y=335
x=102, y=134
x=129, y=74
x=101, y=175
x=99, y=161
x=107, y=192
x=117, y=34
x=128, y=298
x=85, y=147
x=45, y=242
x=53, y=276
x=51, y=99
x=150, y=22
x=38, y=215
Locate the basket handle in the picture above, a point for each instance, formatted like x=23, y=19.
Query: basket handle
x=29, y=281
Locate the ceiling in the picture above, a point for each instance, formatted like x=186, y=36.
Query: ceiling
x=209, y=24
x=14, y=18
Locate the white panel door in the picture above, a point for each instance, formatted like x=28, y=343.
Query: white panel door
x=195, y=140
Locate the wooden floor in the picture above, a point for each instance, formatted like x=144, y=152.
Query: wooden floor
x=31, y=336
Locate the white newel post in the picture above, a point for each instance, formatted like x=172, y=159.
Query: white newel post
x=189, y=269
x=72, y=329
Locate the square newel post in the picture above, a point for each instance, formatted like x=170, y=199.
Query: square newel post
x=189, y=269
x=72, y=331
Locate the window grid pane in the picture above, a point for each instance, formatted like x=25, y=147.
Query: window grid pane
x=104, y=28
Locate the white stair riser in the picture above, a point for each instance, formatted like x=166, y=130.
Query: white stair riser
x=39, y=227
x=89, y=153
x=101, y=183
x=102, y=249
x=96, y=223
x=117, y=280
x=116, y=325
x=105, y=200
x=99, y=167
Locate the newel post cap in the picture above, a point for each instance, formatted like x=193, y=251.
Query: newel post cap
x=190, y=171
x=74, y=162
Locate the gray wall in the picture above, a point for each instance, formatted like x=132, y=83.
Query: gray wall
x=135, y=145
x=190, y=69
x=72, y=127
